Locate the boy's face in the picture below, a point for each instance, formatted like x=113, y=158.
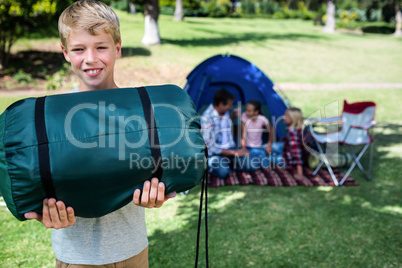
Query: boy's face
x=92, y=58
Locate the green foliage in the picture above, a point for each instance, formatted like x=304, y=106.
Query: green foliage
x=350, y=25
x=304, y=13
x=347, y=4
x=22, y=77
x=54, y=82
x=62, y=5
x=388, y=12
x=192, y=4
x=351, y=19
x=315, y=5
x=286, y=13
x=247, y=7
x=57, y=80
x=290, y=14
x=119, y=4
x=217, y=8
x=169, y=3
x=166, y=10
x=268, y=7
x=374, y=15
x=18, y=17
x=349, y=16
x=190, y=8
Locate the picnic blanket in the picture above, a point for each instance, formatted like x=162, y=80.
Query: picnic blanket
x=278, y=177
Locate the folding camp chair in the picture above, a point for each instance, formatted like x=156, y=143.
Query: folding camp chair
x=356, y=120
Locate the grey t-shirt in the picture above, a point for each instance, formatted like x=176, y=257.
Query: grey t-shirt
x=114, y=237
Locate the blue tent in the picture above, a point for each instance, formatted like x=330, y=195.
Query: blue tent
x=240, y=77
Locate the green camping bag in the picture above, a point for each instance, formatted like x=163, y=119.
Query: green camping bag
x=91, y=150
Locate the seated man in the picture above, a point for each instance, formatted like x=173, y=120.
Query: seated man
x=217, y=132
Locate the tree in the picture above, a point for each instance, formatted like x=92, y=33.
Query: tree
x=151, y=29
x=398, y=19
x=330, y=22
x=178, y=12
x=18, y=17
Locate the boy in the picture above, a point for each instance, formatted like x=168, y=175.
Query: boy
x=90, y=41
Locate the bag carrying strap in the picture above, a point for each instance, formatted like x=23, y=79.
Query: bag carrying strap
x=152, y=132
x=204, y=186
x=43, y=148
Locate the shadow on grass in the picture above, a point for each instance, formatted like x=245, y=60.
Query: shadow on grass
x=388, y=134
x=36, y=63
x=294, y=226
x=378, y=29
x=134, y=51
x=228, y=38
x=284, y=227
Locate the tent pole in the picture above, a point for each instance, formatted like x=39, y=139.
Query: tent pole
x=277, y=87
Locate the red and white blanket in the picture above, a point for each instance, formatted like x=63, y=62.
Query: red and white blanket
x=278, y=177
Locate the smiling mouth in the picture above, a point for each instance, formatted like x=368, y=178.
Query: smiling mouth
x=92, y=72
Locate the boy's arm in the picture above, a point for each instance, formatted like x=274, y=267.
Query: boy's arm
x=153, y=194
x=54, y=214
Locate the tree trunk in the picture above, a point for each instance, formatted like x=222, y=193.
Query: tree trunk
x=330, y=23
x=178, y=12
x=132, y=8
x=151, y=30
x=6, y=42
x=398, y=18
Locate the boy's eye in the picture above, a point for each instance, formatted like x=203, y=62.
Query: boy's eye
x=102, y=47
x=77, y=49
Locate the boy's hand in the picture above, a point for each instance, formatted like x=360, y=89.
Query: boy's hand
x=153, y=194
x=54, y=214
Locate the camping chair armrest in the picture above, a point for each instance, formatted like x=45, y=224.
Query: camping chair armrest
x=324, y=120
x=366, y=126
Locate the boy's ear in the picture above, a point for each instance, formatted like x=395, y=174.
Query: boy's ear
x=65, y=53
x=118, y=49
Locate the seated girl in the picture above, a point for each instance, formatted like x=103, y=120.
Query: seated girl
x=254, y=124
x=292, y=149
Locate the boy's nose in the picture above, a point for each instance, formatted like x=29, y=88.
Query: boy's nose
x=91, y=57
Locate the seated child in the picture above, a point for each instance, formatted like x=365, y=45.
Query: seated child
x=292, y=149
x=253, y=124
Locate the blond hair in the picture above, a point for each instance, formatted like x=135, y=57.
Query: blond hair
x=89, y=15
x=297, y=118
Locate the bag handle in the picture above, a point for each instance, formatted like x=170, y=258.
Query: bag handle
x=204, y=187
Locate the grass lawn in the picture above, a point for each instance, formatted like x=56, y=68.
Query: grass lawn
x=286, y=50
x=253, y=226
